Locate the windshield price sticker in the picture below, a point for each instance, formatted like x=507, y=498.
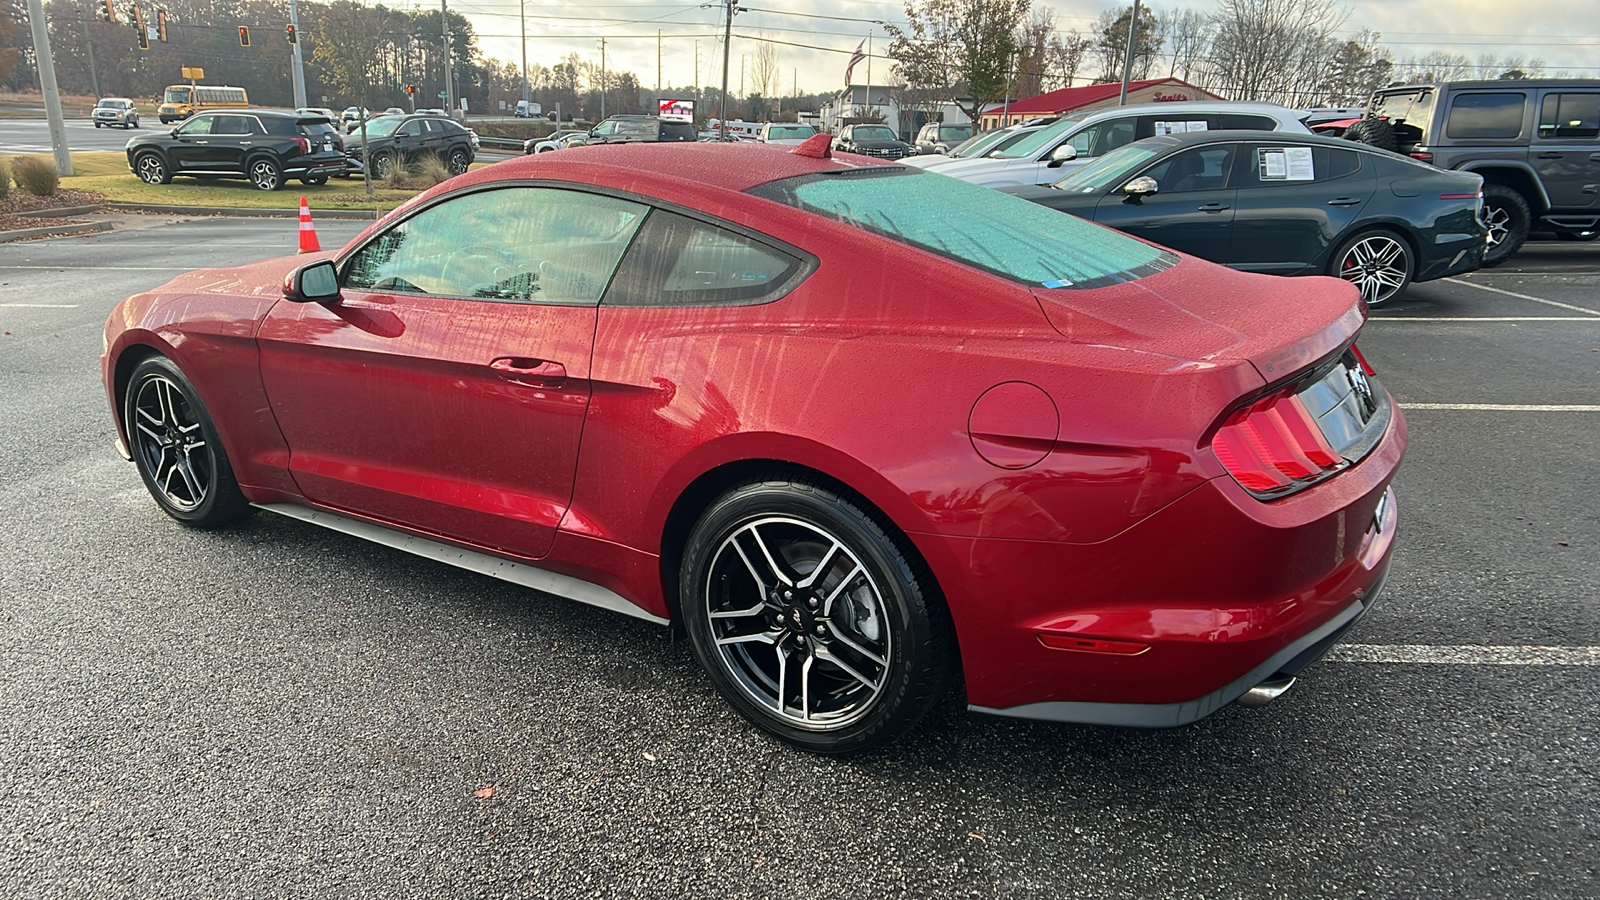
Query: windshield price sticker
x=1179, y=127
x=1285, y=164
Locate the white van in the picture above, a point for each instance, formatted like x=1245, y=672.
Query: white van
x=1045, y=155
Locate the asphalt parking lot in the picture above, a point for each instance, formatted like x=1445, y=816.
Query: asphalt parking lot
x=283, y=711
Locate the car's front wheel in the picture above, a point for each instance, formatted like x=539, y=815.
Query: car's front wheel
x=152, y=169
x=1378, y=263
x=266, y=174
x=176, y=450
x=1509, y=218
x=382, y=165
x=811, y=620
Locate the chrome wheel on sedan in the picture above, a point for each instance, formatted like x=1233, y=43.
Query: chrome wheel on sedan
x=175, y=447
x=1377, y=263
x=810, y=619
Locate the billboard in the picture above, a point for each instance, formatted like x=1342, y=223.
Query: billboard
x=677, y=110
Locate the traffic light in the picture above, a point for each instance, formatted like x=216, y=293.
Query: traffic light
x=294, y=37
x=143, y=38
x=244, y=35
x=411, y=89
x=141, y=33
x=161, y=25
x=138, y=19
x=111, y=12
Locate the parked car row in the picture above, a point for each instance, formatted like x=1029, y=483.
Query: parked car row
x=270, y=147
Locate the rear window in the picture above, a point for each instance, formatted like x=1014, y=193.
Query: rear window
x=1575, y=115
x=996, y=232
x=789, y=132
x=1410, y=113
x=1486, y=115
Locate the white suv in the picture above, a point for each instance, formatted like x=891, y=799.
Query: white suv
x=1045, y=155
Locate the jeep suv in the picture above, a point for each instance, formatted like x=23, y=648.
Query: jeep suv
x=268, y=147
x=1536, y=143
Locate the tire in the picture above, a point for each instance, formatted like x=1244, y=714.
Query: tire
x=458, y=161
x=265, y=174
x=382, y=165
x=1379, y=263
x=176, y=449
x=779, y=570
x=97, y=125
x=1509, y=217
x=152, y=169
x=315, y=180
x=1374, y=132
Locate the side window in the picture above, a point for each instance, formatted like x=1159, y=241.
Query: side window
x=199, y=125
x=679, y=261
x=1267, y=165
x=1486, y=115
x=232, y=125
x=1098, y=140
x=525, y=244
x=1340, y=163
x=1247, y=123
x=1570, y=116
x=409, y=129
x=1198, y=169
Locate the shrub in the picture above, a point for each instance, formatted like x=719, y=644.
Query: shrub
x=36, y=176
x=5, y=178
x=430, y=170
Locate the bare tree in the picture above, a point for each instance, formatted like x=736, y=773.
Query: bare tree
x=1033, y=53
x=1355, y=69
x=764, y=71
x=1065, y=59
x=963, y=48
x=1186, y=35
x=1273, y=50
x=1440, y=66
x=1111, y=43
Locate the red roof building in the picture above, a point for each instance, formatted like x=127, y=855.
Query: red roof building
x=1093, y=96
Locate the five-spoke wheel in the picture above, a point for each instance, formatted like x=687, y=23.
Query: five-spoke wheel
x=1376, y=262
x=152, y=168
x=266, y=174
x=459, y=161
x=176, y=448
x=810, y=619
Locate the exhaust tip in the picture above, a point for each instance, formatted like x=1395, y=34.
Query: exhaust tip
x=1267, y=691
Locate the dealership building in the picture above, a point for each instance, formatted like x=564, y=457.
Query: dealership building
x=1093, y=96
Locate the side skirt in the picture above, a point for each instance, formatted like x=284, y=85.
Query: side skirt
x=473, y=561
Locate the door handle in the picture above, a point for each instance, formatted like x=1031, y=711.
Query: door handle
x=533, y=372
x=1344, y=201
x=1551, y=154
x=1213, y=207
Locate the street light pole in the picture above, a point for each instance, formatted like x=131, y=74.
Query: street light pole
x=727, y=35
x=47, y=86
x=449, y=78
x=299, y=72
x=1127, y=59
x=602, y=79
x=524, y=7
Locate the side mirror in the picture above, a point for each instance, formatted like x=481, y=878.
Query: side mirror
x=316, y=283
x=1061, y=154
x=1140, y=187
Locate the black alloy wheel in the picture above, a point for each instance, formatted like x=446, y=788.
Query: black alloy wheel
x=152, y=168
x=811, y=620
x=1378, y=263
x=265, y=174
x=1507, y=213
x=382, y=165
x=459, y=161
x=175, y=447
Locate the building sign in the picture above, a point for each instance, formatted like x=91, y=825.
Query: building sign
x=677, y=110
x=1169, y=98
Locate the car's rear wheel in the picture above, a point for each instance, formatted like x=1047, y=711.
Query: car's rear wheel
x=458, y=161
x=1509, y=218
x=811, y=620
x=266, y=174
x=176, y=450
x=1378, y=263
x=152, y=168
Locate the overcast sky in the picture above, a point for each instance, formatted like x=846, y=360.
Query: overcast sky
x=1565, y=33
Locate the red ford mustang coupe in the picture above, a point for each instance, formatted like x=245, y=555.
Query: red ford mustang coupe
x=853, y=426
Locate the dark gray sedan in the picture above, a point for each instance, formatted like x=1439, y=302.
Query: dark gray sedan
x=1285, y=205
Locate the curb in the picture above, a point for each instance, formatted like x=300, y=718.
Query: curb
x=242, y=211
x=61, y=230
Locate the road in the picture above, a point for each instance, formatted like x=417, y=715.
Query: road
x=282, y=711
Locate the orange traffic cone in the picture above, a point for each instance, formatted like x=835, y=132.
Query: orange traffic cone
x=308, y=232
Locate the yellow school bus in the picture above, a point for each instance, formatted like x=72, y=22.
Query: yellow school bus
x=180, y=101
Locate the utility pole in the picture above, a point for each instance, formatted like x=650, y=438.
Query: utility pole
x=602, y=79
x=299, y=72
x=697, y=70
x=449, y=77
x=524, y=8
x=47, y=85
x=1127, y=60
x=658, y=61
x=88, y=46
x=727, y=35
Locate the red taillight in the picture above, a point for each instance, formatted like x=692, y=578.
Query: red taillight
x=304, y=145
x=1273, y=445
x=1422, y=156
x=1366, y=367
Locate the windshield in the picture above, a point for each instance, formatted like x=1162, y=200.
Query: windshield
x=1410, y=113
x=979, y=226
x=1037, y=140
x=113, y=104
x=872, y=133
x=382, y=127
x=954, y=132
x=789, y=132
x=983, y=143
x=177, y=95
x=1105, y=171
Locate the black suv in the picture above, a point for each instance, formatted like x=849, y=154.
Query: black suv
x=265, y=146
x=640, y=129
x=871, y=140
x=1536, y=143
x=405, y=139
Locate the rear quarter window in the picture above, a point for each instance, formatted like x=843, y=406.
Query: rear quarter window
x=679, y=261
x=1497, y=115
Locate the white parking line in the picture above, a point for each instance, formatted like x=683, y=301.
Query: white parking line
x=39, y=305
x=1482, y=319
x=1508, y=407
x=1485, y=287
x=1465, y=655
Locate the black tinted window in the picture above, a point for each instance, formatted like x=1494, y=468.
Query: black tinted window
x=234, y=125
x=316, y=129
x=678, y=261
x=1570, y=116
x=1199, y=169
x=1486, y=115
x=278, y=125
x=1249, y=123
x=1340, y=163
